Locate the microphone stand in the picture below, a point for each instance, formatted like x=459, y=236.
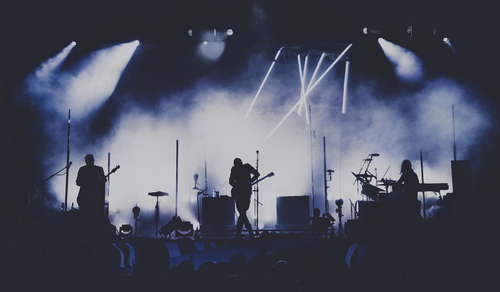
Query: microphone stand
x=42, y=192
x=256, y=190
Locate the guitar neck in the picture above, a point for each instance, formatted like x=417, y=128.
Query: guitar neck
x=261, y=179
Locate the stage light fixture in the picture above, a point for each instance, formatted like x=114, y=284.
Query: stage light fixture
x=230, y=32
x=409, y=30
x=190, y=32
x=125, y=230
x=366, y=30
x=446, y=40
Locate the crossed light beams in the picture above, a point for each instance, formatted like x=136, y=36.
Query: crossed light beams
x=305, y=92
x=82, y=89
x=97, y=77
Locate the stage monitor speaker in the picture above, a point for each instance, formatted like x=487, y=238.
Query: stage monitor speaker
x=461, y=174
x=293, y=211
x=217, y=213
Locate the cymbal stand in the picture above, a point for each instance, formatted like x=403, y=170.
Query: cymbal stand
x=157, y=208
x=366, y=176
x=157, y=215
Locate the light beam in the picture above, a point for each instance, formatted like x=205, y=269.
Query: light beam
x=263, y=82
x=97, y=78
x=309, y=89
x=303, y=96
x=52, y=65
x=406, y=64
x=346, y=79
x=328, y=70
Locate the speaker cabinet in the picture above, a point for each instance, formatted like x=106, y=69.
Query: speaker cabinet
x=369, y=211
x=217, y=213
x=293, y=211
x=461, y=173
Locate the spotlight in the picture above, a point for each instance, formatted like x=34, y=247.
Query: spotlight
x=409, y=30
x=176, y=228
x=229, y=32
x=190, y=32
x=339, y=202
x=73, y=43
x=366, y=30
x=446, y=40
x=125, y=230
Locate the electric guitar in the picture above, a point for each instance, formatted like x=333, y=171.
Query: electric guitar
x=113, y=170
x=271, y=174
x=85, y=193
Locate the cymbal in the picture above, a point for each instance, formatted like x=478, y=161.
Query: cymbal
x=158, y=194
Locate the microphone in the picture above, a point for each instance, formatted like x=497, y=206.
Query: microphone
x=374, y=154
x=257, y=151
x=71, y=162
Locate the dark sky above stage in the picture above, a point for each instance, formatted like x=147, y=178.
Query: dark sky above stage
x=166, y=89
x=32, y=30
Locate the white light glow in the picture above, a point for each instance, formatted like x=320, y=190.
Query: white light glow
x=89, y=85
x=211, y=50
x=407, y=65
x=50, y=67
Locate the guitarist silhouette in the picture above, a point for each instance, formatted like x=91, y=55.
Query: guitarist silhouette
x=91, y=180
x=241, y=179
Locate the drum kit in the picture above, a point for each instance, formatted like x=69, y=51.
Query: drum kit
x=384, y=203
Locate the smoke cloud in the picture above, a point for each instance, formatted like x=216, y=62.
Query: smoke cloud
x=206, y=118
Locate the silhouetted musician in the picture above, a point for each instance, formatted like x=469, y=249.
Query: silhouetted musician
x=91, y=180
x=402, y=204
x=408, y=180
x=241, y=178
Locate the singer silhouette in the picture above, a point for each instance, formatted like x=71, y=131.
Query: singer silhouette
x=91, y=180
x=241, y=179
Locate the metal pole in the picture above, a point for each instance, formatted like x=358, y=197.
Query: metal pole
x=176, y=173
x=422, y=174
x=67, y=163
x=324, y=175
x=312, y=166
x=106, y=200
x=454, y=145
x=257, y=232
x=205, y=192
